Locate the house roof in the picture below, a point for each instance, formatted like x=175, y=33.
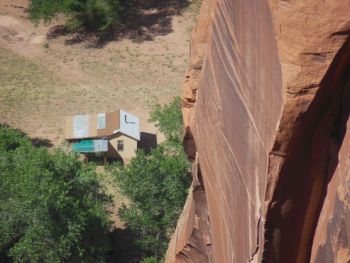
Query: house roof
x=102, y=125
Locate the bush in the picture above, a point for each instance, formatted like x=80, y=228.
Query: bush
x=96, y=15
x=52, y=206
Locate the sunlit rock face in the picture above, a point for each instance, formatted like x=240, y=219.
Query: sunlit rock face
x=266, y=104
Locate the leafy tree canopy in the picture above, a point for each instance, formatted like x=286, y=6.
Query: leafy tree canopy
x=157, y=186
x=52, y=206
x=169, y=119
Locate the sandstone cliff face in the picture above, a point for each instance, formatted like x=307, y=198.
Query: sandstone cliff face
x=266, y=107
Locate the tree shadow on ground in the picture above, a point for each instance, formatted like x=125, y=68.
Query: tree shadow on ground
x=123, y=248
x=41, y=142
x=148, y=141
x=149, y=18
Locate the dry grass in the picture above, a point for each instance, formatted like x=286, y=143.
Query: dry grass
x=40, y=83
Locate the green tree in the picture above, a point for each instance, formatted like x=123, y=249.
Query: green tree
x=52, y=206
x=97, y=15
x=169, y=119
x=156, y=184
x=11, y=139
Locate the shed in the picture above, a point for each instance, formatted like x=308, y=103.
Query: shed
x=114, y=133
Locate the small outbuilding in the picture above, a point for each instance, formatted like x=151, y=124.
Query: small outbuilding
x=114, y=135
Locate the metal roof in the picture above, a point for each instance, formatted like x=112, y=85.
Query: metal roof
x=86, y=146
x=102, y=125
x=129, y=125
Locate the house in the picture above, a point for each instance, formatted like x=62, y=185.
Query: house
x=114, y=135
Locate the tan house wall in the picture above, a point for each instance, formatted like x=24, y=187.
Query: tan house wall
x=130, y=147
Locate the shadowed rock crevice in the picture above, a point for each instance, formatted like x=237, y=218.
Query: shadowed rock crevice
x=310, y=161
x=189, y=145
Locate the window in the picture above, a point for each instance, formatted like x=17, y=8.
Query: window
x=120, y=145
x=101, y=121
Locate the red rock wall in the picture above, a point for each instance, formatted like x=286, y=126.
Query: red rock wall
x=266, y=110
x=236, y=116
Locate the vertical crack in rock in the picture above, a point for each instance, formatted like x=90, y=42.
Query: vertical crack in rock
x=255, y=252
x=310, y=162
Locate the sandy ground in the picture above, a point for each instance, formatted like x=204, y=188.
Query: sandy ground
x=44, y=79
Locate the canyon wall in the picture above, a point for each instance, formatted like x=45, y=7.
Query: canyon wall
x=266, y=103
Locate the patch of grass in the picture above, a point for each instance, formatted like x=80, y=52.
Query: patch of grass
x=22, y=80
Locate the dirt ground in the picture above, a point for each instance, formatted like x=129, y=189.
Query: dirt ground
x=44, y=77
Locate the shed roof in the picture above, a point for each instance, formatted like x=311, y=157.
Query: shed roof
x=89, y=145
x=102, y=125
